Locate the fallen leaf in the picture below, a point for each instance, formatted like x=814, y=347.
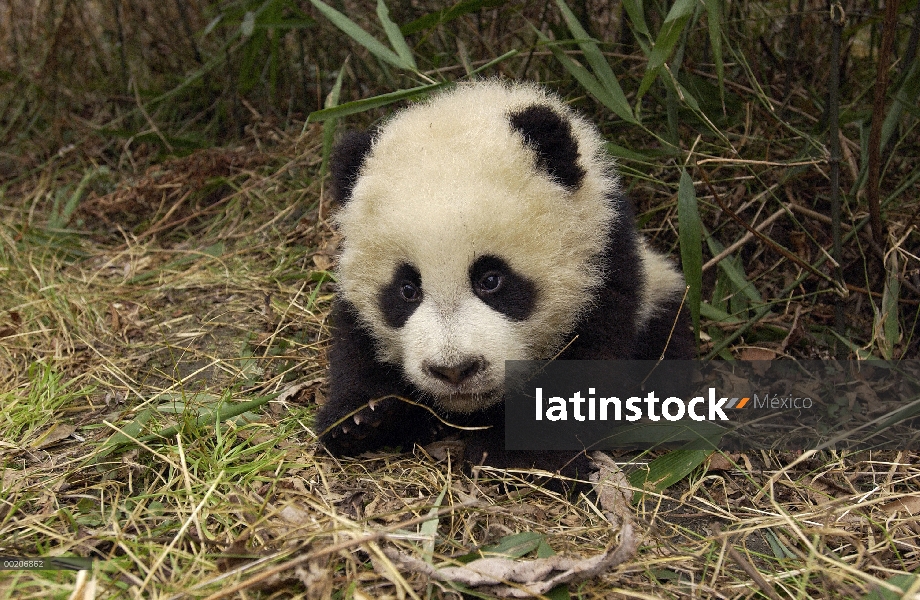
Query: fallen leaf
x=508, y=578
x=53, y=434
x=909, y=504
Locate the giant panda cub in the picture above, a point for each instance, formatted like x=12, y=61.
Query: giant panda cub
x=482, y=225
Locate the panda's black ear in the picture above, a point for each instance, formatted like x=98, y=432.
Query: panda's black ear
x=550, y=135
x=346, y=161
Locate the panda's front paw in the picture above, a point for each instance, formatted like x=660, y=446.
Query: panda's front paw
x=370, y=428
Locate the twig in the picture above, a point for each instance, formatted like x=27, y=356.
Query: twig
x=748, y=568
x=813, y=214
x=862, y=290
x=766, y=240
x=744, y=240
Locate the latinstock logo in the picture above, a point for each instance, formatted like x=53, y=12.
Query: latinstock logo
x=634, y=408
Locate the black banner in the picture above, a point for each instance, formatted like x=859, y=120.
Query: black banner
x=787, y=404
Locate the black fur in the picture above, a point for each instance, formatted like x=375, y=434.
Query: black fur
x=358, y=378
x=396, y=309
x=662, y=336
x=550, y=136
x=346, y=161
x=607, y=331
x=516, y=296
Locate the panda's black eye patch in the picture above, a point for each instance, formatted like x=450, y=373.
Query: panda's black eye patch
x=502, y=288
x=399, y=298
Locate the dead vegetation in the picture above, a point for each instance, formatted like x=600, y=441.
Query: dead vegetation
x=166, y=259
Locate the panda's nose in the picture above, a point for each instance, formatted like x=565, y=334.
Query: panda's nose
x=455, y=374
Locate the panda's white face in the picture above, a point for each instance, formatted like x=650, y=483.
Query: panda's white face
x=460, y=252
x=454, y=339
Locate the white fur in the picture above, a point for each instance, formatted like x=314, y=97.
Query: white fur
x=447, y=181
x=662, y=283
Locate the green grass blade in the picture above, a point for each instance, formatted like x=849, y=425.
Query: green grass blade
x=665, y=42
x=733, y=271
x=690, y=232
x=395, y=35
x=429, y=528
x=614, y=99
x=352, y=30
x=60, y=218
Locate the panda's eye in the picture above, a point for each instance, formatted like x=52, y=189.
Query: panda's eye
x=490, y=283
x=409, y=292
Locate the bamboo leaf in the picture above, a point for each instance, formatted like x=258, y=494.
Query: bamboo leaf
x=716, y=314
x=395, y=35
x=733, y=270
x=691, y=245
x=357, y=106
x=588, y=81
x=904, y=98
x=249, y=23
x=614, y=98
x=667, y=39
x=904, y=581
x=332, y=100
x=354, y=31
x=516, y=545
x=666, y=470
x=350, y=108
x=447, y=15
x=429, y=528
x=714, y=21
x=636, y=11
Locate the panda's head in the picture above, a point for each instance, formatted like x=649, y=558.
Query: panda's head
x=473, y=226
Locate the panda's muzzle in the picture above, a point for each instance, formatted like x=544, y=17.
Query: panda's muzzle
x=458, y=374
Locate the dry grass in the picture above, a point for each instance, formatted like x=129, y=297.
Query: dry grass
x=212, y=298
x=146, y=290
